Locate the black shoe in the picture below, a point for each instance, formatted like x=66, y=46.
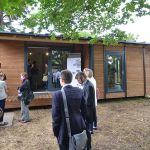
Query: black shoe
x=3, y=124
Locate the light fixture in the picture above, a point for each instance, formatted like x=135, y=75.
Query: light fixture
x=46, y=53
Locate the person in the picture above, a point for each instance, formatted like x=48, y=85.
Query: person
x=89, y=95
x=34, y=76
x=45, y=77
x=29, y=70
x=57, y=79
x=89, y=74
x=3, y=96
x=76, y=109
x=23, y=90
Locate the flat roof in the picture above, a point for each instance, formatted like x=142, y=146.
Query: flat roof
x=86, y=39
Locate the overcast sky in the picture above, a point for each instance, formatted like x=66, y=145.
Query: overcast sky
x=141, y=27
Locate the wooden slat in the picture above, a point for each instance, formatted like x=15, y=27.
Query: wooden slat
x=135, y=73
x=39, y=100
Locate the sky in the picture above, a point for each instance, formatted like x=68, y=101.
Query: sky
x=141, y=27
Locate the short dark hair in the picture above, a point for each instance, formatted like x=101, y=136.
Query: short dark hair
x=80, y=76
x=66, y=75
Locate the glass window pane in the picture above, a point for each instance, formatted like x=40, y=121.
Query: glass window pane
x=58, y=63
x=114, y=72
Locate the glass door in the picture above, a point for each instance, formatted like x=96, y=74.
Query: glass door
x=114, y=69
x=44, y=67
x=57, y=61
x=37, y=68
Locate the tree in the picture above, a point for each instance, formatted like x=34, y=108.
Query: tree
x=70, y=17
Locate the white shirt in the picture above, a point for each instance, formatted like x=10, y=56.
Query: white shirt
x=3, y=88
x=94, y=84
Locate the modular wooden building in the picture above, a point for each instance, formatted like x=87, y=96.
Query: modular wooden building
x=120, y=71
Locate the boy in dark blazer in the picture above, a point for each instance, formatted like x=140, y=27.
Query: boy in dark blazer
x=76, y=109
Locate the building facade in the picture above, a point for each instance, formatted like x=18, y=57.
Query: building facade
x=120, y=71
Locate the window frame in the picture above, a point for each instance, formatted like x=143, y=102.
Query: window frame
x=117, y=54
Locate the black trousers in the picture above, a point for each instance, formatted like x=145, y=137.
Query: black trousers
x=2, y=106
x=64, y=146
x=89, y=140
x=95, y=118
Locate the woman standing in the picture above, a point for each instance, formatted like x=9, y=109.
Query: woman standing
x=3, y=96
x=23, y=91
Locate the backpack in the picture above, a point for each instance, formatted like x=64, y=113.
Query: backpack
x=28, y=98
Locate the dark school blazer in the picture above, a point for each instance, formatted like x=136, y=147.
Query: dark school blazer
x=77, y=113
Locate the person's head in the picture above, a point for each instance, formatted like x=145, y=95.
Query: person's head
x=23, y=76
x=46, y=65
x=88, y=72
x=65, y=77
x=81, y=77
x=29, y=61
x=34, y=63
x=2, y=76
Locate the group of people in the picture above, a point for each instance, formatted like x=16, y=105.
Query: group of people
x=81, y=107
x=23, y=89
x=81, y=102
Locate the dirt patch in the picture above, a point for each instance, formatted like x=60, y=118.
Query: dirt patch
x=122, y=125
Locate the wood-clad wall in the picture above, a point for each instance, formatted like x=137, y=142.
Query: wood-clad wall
x=135, y=72
x=99, y=68
x=12, y=63
x=147, y=70
x=85, y=56
x=134, y=68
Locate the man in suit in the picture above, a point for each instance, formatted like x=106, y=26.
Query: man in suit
x=76, y=109
x=89, y=96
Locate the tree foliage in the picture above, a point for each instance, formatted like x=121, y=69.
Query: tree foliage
x=70, y=17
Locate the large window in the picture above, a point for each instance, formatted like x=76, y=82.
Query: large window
x=114, y=71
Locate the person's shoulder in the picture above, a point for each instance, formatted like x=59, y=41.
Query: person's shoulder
x=78, y=89
x=90, y=83
x=26, y=81
x=57, y=93
x=3, y=82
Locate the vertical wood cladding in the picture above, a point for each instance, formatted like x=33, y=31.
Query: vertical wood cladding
x=147, y=70
x=135, y=75
x=99, y=68
x=12, y=61
x=85, y=56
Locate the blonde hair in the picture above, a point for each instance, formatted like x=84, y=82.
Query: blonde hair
x=88, y=72
x=24, y=74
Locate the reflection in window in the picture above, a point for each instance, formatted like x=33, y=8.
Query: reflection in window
x=114, y=72
x=58, y=63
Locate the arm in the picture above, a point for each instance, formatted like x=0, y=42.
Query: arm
x=56, y=114
x=90, y=96
x=83, y=108
x=24, y=86
x=5, y=87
